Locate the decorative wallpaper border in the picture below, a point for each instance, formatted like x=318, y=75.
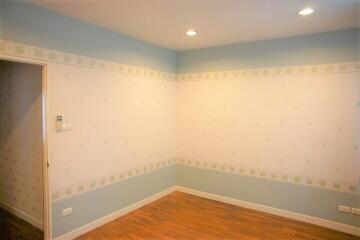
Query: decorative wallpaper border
x=90, y=185
x=110, y=179
x=272, y=72
x=271, y=175
x=42, y=54
x=48, y=55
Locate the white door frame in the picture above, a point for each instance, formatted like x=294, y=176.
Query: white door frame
x=44, y=102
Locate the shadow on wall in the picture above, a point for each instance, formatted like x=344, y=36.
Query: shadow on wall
x=1, y=19
x=21, y=175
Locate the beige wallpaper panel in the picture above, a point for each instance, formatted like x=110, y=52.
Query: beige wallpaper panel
x=21, y=179
x=119, y=122
x=291, y=125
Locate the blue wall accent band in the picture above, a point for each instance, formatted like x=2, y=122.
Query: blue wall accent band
x=30, y=24
x=316, y=202
x=90, y=206
x=320, y=48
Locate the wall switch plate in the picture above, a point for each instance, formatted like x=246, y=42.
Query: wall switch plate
x=344, y=209
x=62, y=126
x=66, y=212
x=355, y=211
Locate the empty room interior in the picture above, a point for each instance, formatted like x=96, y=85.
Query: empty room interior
x=180, y=119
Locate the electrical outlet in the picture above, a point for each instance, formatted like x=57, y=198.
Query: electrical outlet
x=66, y=211
x=355, y=211
x=344, y=209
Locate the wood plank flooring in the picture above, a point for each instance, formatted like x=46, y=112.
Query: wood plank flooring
x=14, y=228
x=183, y=216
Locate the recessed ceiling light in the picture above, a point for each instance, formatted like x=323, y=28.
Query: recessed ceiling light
x=306, y=11
x=191, y=33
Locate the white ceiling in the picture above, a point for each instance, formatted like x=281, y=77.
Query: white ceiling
x=218, y=22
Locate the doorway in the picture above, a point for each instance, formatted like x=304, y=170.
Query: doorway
x=23, y=158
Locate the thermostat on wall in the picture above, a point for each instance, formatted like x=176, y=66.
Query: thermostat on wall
x=61, y=125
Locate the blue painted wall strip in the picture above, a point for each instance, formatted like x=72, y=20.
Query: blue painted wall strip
x=306, y=200
x=30, y=24
x=321, y=48
x=90, y=206
x=33, y=25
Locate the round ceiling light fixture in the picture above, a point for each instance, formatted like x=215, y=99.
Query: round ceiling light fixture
x=191, y=33
x=306, y=11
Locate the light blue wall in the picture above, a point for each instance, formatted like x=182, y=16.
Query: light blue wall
x=29, y=24
x=311, y=201
x=90, y=206
x=33, y=25
x=330, y=47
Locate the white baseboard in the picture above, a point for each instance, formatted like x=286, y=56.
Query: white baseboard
x=112, y=216
x=279, y=212
x=24, y=216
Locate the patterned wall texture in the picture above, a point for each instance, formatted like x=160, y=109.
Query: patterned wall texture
x=123, y=119
x=21, y=177
x=122, y=125
x=295, y=124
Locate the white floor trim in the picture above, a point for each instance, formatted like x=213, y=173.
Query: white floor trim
x=24, y=216
x=279, y=212
x=112, y=216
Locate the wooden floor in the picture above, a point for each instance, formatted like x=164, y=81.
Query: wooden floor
x=183, y=216
x=13, y=228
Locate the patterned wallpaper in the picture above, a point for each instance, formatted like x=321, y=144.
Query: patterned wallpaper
x=296, y=124
x=21, y=177
x=122, y=125
x=123, y=119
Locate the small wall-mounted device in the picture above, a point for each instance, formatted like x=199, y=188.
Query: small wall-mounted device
x=61, y=125
x=344, y=209
x=67, y=211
